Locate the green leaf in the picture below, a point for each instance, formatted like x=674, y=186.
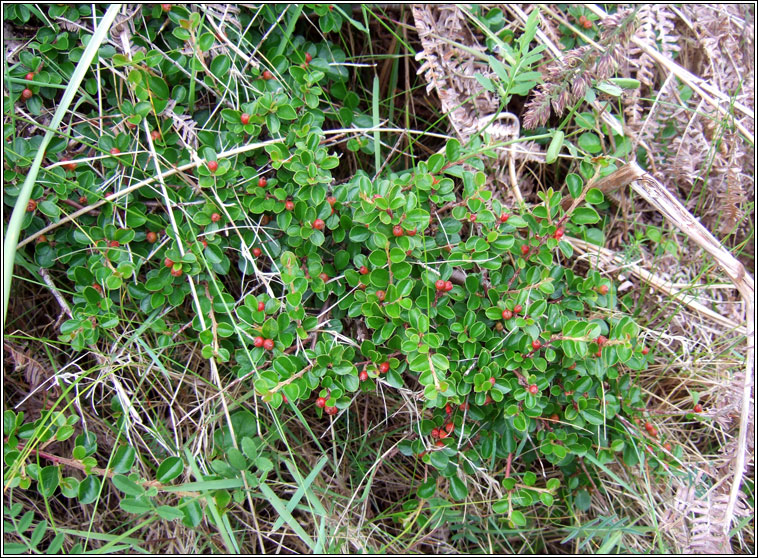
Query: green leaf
x=575, y=184
x=48, y=480
x=169, y=514
x=554, y=148
x=595, y=196
x=518, y=518
x=590, y=143
x=171, y=468
x=89, y=488
x=220, y=66
x=123, y=459
x=127, y=486
x=585, y=216
x=439, y=459
x=458, y=489
x=427, y=489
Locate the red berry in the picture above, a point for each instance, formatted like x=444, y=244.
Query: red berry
x=215, y=217
x=587, y=24
x=464, y=406
x=114, y=244
x=324, y=277
x=653, y=432
x=504, y=217
x=262, y=182
x=517, y=309
x=168, y=263
x=363, y=376
x=554, y=417
x=448, y=286
x=289, y=205
x=331, y=410
x=31, y=206
x=667, y=446
x=533, y=389
x=536, y=344
x=472, y=217
x=599, y=353
x=212, y=166
x=698, y=408
x=397, y=230
x=384, y=367
x=69, y=166
x=245, y=118
x=308, y=57
x=449, y=427
x=648, y=426
x=601, y=340
x=439, y=284
x=439, y=443
x=115, y=151
x=331, y=200
x=321, y=402
x=268, y=344
x=27, y=94
x=257, y=252
x=525, y=249
x=363, y=270
x=29, y=76
x=176, y=272
x=261, y=306
x=507, y=314
x=492, y=380
x=155, y=134
x=380, y=295
x=448, y=409
x=603, y=289
x=258, y=341
x=413, y=232
x=204, y=243
x=318, y=224
x=558, y=233
x=435, y=432
x=151, y=237
x=645, y=350
x=267, y=75
x=166, y=7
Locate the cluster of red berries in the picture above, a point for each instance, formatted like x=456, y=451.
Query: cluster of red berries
x=558, y=234
x=443, y=432
x=584, y=22
x=601, y=340
x=508, y=314
x=321, y=404
x=443, y=286
x=267, y=344
x=170, y=263
x=651, y=429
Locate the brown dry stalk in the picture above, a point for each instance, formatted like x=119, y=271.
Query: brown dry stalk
x=658, y=196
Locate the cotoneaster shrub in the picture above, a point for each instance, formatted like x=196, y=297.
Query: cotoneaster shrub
x=277, y=258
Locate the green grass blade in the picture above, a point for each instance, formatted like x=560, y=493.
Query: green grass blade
x=281, y=509
x=375, y=114
x=17, y=217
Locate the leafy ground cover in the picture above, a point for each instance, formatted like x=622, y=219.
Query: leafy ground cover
x=273, y=290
